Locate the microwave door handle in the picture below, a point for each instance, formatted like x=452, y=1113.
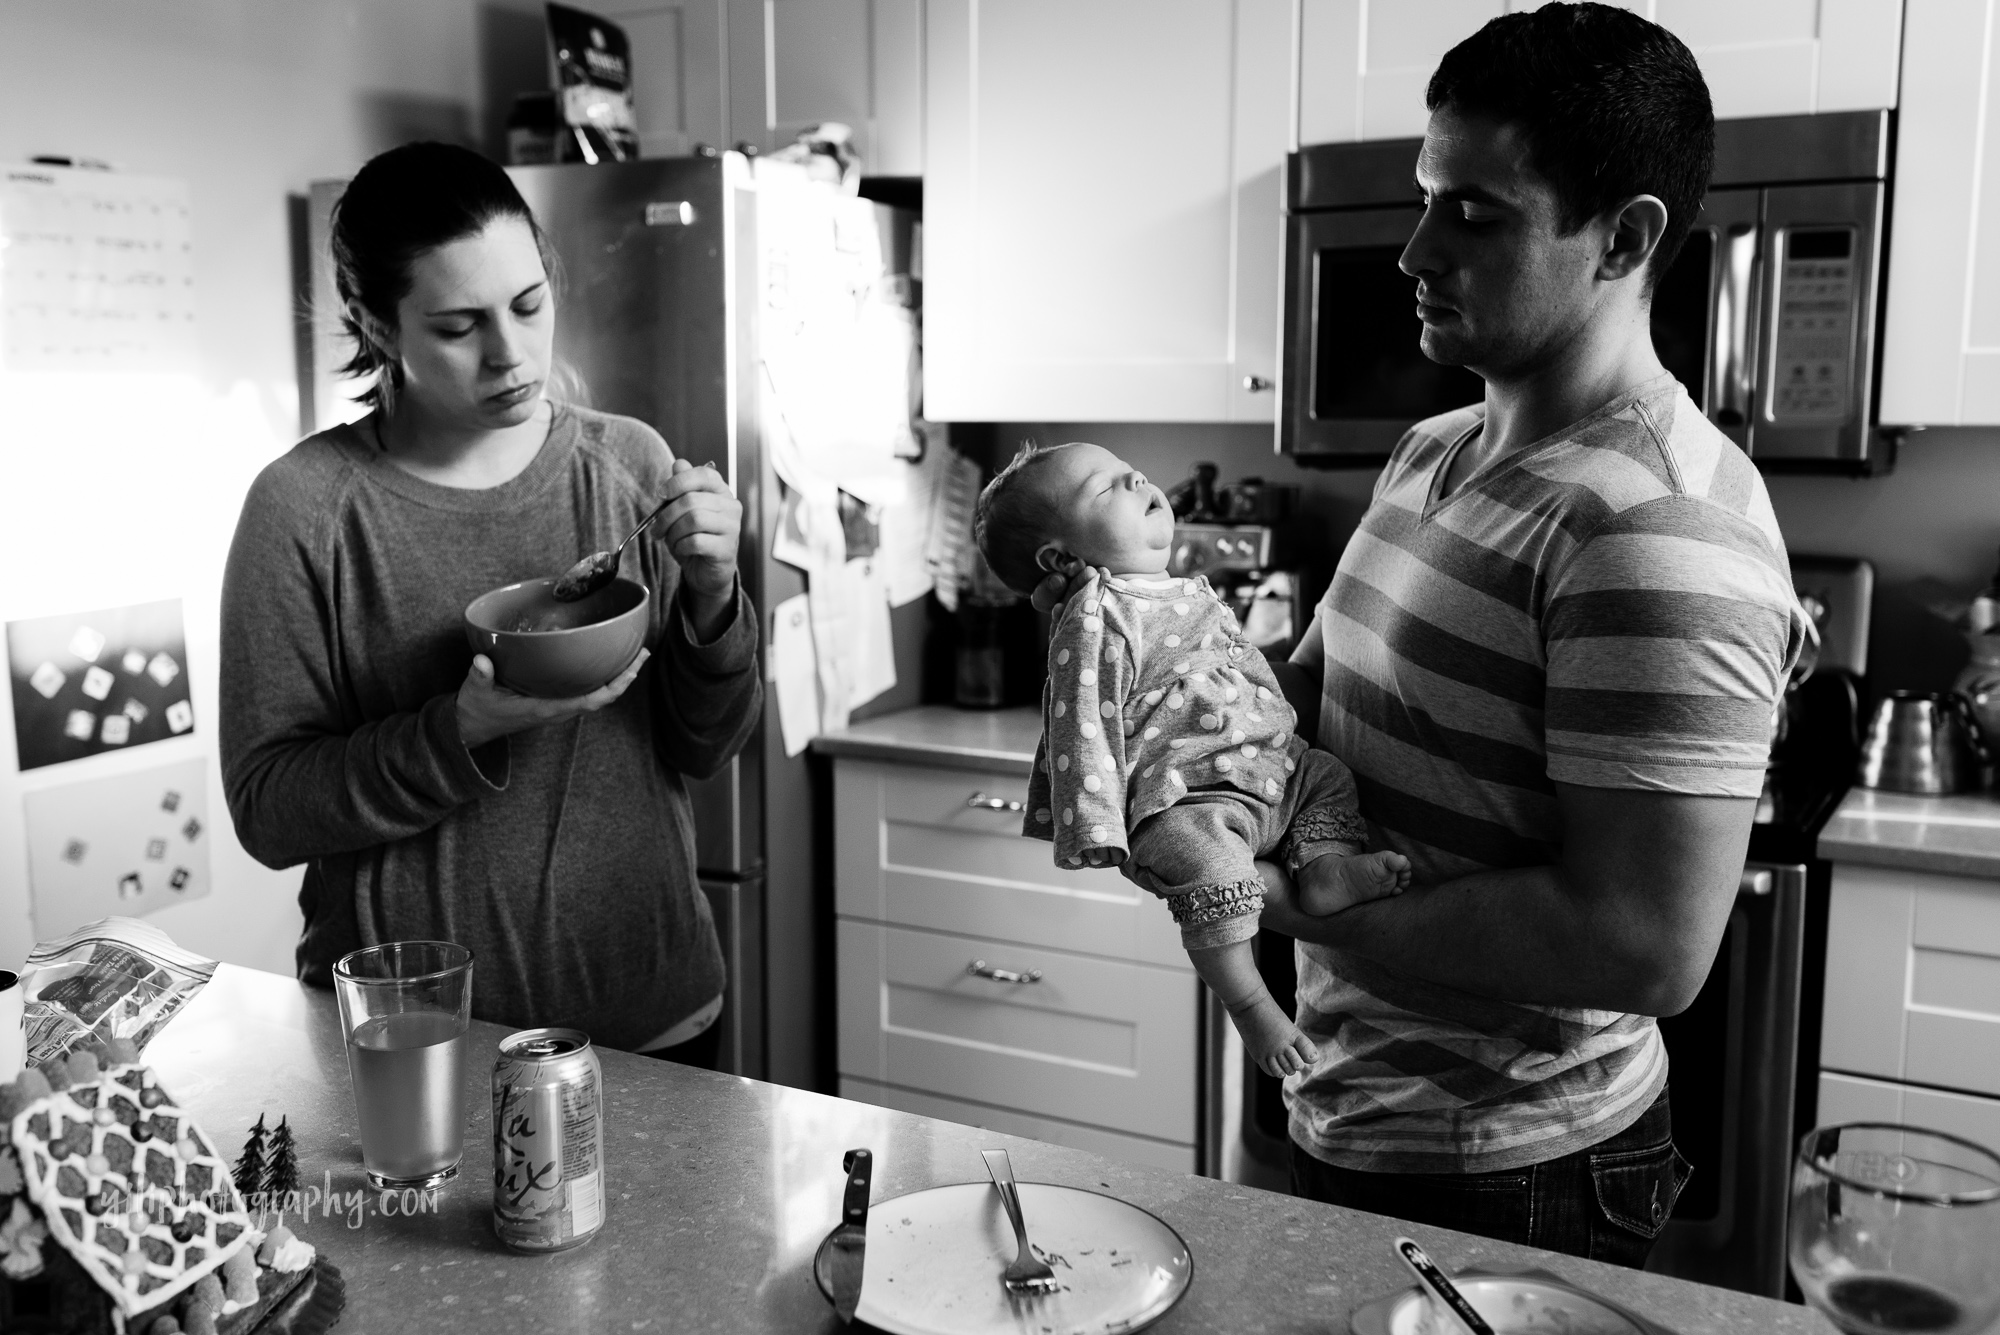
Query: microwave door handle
x=1731, y=369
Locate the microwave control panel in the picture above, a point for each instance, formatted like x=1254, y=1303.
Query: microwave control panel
x=1812, y=345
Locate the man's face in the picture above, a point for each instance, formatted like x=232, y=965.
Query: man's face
x=1499, y=290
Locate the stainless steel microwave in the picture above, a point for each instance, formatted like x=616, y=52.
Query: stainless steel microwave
x=1770, y=315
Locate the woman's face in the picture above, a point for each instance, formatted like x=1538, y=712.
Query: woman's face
x=476, y=331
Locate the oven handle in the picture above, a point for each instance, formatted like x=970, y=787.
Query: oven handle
x=1731, y=357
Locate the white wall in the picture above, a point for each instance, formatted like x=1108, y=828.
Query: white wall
x=123, y=490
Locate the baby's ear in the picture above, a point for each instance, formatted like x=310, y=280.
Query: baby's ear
x=1051, y=557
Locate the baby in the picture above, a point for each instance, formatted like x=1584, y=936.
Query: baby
x=1167, y=750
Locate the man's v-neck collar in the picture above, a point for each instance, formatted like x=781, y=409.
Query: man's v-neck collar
x=1434, y=503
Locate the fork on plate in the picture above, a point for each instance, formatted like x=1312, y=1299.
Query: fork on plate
x=1025, y=1274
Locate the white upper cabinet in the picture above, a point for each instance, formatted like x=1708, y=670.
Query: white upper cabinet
x=1363, y=64
x=1101, y=208
x=723, y=72
x=860, y=62
x=1941, y=336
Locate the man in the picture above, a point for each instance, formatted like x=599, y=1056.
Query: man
x=1550, y=656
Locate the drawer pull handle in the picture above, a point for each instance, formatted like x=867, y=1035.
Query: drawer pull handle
x=981, y=969
x=1756, y=882
x=981, y=802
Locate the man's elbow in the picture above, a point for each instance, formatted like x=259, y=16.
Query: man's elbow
x=1663, y=983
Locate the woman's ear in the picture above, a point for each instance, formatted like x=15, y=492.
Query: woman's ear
x=1051, y=557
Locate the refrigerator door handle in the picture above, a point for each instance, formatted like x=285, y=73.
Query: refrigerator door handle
x=669, y=213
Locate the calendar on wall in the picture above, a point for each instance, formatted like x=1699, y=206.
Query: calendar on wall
x=96, y=272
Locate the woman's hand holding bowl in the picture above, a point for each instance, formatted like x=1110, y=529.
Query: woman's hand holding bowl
x=488, y=711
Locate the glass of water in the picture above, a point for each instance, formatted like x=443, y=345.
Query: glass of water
x=404, y=1008
x=1896, y=1229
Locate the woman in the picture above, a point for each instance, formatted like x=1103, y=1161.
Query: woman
x=361, y=737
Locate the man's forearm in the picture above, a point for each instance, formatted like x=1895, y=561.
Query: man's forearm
x=1518, y=935
x=1627, y=920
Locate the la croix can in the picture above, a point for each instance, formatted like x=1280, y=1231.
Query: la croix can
x=548, y=1141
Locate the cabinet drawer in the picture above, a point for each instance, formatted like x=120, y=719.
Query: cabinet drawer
x=1913, y=978
x=1094, y=1139
x=1097, y=1041
x=909, y=850
x=1851, y=1099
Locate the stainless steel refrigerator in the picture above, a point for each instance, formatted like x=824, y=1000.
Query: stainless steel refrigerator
x=657, y=318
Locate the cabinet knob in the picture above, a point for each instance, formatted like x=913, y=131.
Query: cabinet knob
x=1257, y=384
x=1756, y=882
x=981, y=802
x=981, y=969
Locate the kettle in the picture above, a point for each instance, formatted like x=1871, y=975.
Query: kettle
x=1923, y=742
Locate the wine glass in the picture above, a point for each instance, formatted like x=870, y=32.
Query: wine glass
x=1896, y=1229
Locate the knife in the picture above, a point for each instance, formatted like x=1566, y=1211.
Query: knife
x=847, y=1249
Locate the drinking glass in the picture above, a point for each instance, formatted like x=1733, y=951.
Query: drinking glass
x=1897, y=1229
x=404, y=1007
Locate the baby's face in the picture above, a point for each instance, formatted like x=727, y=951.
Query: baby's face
x=1111, y=516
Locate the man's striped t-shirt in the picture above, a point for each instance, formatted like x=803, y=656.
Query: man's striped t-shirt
x=1608, y=607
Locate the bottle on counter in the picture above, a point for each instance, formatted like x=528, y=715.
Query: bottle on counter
x=1979, y=680
x=1984, y=614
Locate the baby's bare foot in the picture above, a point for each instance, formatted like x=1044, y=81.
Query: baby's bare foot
x=1331, y=883
x=1272, y=1040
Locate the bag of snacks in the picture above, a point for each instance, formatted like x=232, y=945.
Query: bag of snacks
x=590, y=69
x=113, y=978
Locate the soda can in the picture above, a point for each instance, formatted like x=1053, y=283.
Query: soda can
x=548, y=1141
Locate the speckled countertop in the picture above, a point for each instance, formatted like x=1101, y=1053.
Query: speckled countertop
x=722, y=1187
x=1954, y=836
x=995, y=741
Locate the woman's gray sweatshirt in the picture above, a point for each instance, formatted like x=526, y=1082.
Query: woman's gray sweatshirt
x=563, y=856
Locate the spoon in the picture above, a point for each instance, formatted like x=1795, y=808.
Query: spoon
x=1439, y=1285
x=598, y=569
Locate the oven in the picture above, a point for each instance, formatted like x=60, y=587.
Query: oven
x=1733, y=1064
x=1770, y=315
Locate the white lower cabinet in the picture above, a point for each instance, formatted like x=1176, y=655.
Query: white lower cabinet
x=1911, y=1028
x=1913, y=979
x=1852, y=1098
x=1170, y=1155
x=979, y=983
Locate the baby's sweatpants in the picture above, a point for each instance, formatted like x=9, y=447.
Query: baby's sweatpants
x=1200, y=854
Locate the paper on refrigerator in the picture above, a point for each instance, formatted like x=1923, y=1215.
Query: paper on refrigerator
x=793, y=670
x=851, y=631
x=906, y=528
x=948, y=552
x=837, y=351
x=873, y=666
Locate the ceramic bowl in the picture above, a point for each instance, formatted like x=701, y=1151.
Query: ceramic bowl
x=542, y=647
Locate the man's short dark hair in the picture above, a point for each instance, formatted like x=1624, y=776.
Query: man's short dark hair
x=1611, y=106
x=1012, y=520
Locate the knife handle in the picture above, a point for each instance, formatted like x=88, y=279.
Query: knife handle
x=860, y=1168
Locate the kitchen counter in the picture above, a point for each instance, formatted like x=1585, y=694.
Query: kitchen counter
x=1953, y=836
x=721, y=1187
x=995, y=741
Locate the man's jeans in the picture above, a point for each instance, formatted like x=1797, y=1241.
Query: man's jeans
x=1607, y=1202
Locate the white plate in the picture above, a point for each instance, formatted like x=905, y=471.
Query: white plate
x=1511, y=1304
x=935, y=1258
